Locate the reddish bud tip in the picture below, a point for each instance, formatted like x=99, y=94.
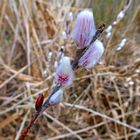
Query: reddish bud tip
x=21, y=138
x=24, y=132
x=39, y=102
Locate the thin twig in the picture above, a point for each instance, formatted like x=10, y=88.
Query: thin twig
x=22, y=125
x=104, y=116
x=23, y=100
x=58, y=86
x=61, y=124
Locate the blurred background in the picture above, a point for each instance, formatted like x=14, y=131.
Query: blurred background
x=102, y=104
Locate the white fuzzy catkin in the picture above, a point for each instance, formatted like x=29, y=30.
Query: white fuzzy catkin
x=92, y=55
x=108, y=35
x=64, y=72
x=56, y=98
x=122, y=44
x=69, y=16
x=120, y=15
x=109, y=29
x=84, y=29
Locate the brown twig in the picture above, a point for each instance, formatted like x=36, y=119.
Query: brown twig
x=57, y=87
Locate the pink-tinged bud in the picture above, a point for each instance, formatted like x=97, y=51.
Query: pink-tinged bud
x=92, y=55
x=64, y=72
x=84, y=29
x=56, y=98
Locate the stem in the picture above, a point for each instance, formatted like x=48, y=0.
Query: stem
x=46, y=104
x=38, y=113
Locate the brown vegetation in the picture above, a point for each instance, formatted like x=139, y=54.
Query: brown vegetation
x=103, y=103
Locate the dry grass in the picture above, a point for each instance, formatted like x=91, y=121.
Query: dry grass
x=103, y=103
